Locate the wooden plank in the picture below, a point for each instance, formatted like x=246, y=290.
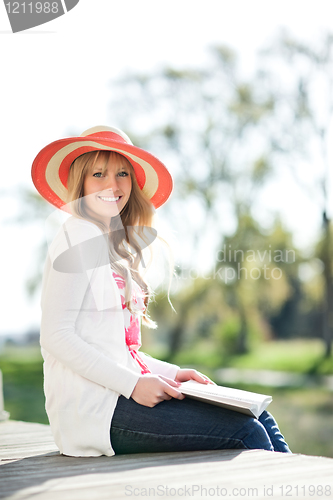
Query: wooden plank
x=24, y=439
x=31, y=467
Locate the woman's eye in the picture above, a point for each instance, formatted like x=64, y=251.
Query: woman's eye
x=121, y=174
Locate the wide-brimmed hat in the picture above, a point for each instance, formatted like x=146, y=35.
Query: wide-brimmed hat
x=51, y=166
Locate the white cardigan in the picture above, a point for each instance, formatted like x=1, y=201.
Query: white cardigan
x=87, y=364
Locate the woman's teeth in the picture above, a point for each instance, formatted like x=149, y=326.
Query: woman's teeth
x=109, y=199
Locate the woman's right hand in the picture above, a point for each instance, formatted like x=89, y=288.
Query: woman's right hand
x=152, y=389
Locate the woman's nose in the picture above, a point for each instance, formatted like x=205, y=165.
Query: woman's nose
x=111, y=183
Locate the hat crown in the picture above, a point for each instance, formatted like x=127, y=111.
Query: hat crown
x=103, y=132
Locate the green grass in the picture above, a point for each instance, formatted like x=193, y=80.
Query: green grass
x=26, y=354
x=295, y=356
x=299, y=356
x=22, y=372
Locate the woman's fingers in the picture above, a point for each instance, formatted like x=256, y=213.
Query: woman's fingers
x=152, y=389
x=199, y=377
x=170, y=388
x=169, y=381
x=173, y=393
x=185, y=374
x=207, y=379
x=166, y=397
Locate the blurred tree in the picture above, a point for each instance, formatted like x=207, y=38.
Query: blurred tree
x=301, y=133
x=222, y=136
x=198, y=307
x=253, y=293
x=260, y=271
x=210, y=126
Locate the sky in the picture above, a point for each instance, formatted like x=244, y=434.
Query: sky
x=56, y=79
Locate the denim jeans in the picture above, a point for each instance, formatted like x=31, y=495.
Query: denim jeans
x=188, y=425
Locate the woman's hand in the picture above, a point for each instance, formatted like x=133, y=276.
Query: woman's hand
x=185, y=374
x=152, y=389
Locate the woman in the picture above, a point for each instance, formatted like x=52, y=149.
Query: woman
x=103, y=396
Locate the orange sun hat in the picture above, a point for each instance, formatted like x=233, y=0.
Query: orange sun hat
x=51, y=166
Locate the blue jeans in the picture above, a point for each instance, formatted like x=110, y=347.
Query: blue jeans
x=188, y=425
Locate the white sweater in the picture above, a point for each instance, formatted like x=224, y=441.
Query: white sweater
x=87, y=364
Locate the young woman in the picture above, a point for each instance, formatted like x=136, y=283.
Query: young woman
x=103, y=395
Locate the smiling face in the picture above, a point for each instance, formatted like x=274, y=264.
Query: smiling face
x=107, y=186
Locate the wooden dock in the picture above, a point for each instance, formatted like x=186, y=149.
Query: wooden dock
x=31, y=467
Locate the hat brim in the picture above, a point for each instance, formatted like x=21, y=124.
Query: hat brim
x=51, y=166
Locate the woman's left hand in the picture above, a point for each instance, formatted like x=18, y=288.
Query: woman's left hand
x=185, y=374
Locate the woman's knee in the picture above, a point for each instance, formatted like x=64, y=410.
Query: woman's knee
x=256, y=436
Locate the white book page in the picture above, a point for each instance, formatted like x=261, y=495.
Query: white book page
x=225, y=392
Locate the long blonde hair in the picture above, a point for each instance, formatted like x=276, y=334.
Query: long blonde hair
x=134, y=220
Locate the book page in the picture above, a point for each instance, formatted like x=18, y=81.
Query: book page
x=226, y=392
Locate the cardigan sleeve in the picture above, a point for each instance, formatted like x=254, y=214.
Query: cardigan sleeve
x=62, y=297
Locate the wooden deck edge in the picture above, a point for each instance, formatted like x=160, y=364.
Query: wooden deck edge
x=31, y=465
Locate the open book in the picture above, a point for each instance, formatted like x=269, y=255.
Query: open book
x=250, y=403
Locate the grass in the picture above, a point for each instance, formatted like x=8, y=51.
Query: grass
x=298, y=356
x=22, y=371
x=295, y=356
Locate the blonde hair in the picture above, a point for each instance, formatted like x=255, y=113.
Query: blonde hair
x=138, y=212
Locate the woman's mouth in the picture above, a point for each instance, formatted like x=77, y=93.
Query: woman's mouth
x=110, y=199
